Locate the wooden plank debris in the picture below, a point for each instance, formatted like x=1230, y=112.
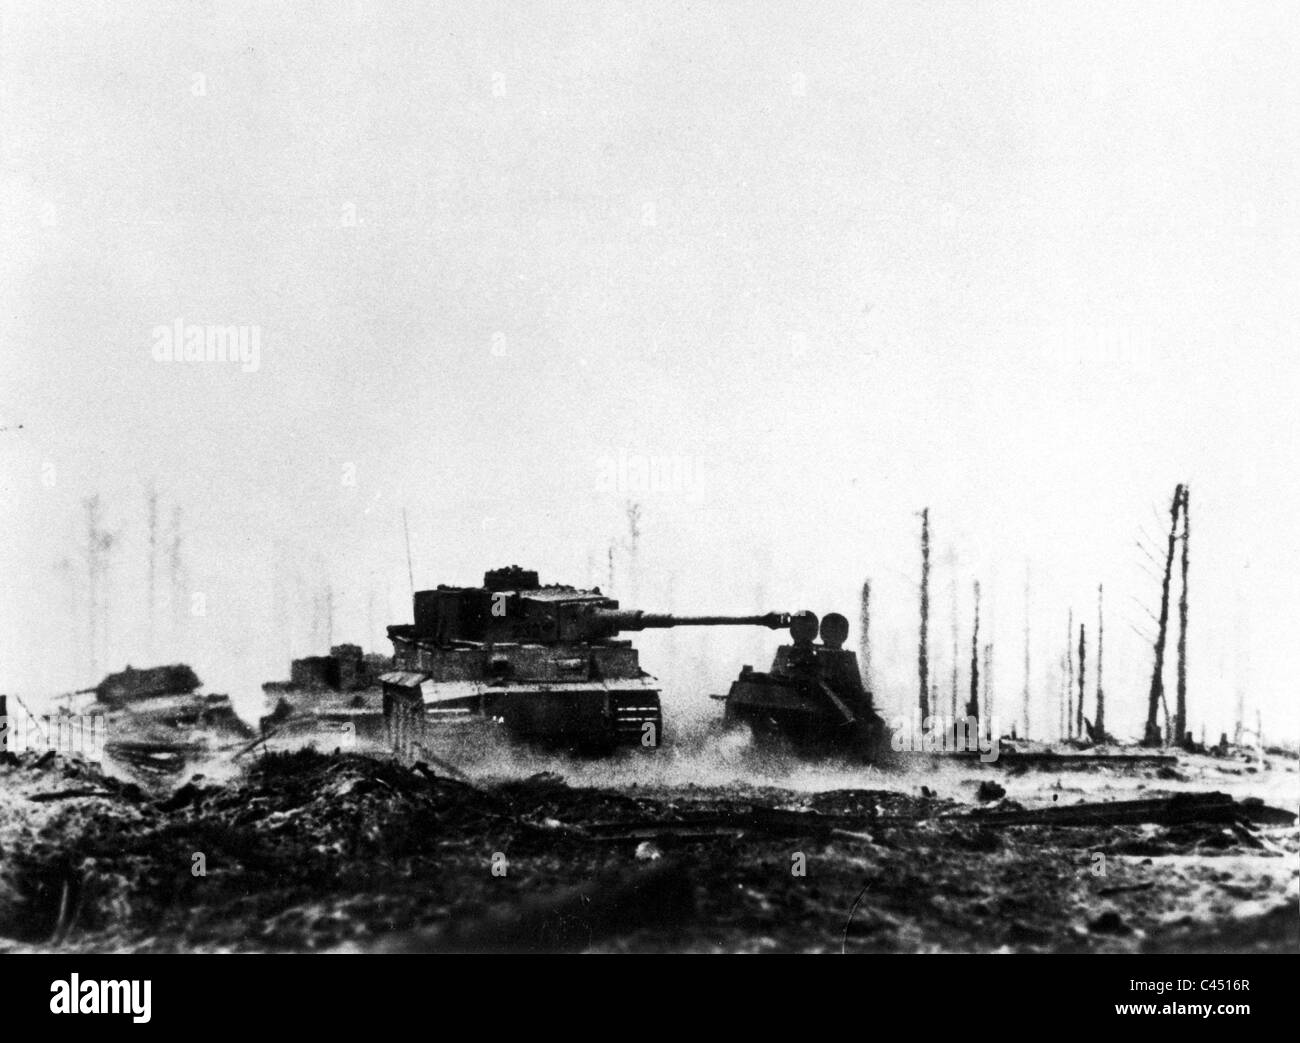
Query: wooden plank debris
x=1174, y=810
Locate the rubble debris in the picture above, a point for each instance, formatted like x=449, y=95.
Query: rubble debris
x=249, y=747
x=1054, y=760
x=1179, y=808
x=68, y=794
x=1109, y=922
x=1146, y=885
x=646, y=851
x=446, y=767
x=1276, y=929
x=309, y=851
x=568, y=920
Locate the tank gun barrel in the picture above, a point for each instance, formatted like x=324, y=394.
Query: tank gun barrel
x=614, y=620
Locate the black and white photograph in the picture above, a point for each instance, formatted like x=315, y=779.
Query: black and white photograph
x=649, y=477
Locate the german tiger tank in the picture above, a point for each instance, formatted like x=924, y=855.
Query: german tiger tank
x=155, y=720
x=332, y=699
x=812, y=700
x=543, y=662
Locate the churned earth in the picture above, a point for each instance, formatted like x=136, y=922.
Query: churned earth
x=703, y=848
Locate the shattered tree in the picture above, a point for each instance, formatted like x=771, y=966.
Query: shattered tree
x=923, y=650
x=973, y=703
x=1083, y=659
x=1180, y=710
x=956, y=647
x=1152, y=735
x=1100, y=724
x=1069, y=676
x=1025, y=693
x=864, y=635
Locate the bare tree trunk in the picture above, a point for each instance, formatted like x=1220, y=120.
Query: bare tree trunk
x=1025, y=693
x=1180, y=711
x=864, y=635
x=956, y=650
x=1069, y=677
x=1060, y=696
x=1083, y=669
x=1101, y=695
x=410, y=569
x=973, y=703
x=1152, y=736
x=988, y=684
x=923, y=651
x=1240, y=666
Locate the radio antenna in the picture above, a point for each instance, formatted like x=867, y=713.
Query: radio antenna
x=410, y=573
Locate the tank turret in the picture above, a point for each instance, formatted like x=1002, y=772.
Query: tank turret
x=545, y=661
x=132, y=685
x=512, y=606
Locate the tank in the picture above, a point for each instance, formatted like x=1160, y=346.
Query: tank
x=545, y=663
x=154, y=720
x=812, y=700
x=337, y=695
x=132, y=685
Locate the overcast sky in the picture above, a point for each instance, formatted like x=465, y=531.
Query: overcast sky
x=1027, y=265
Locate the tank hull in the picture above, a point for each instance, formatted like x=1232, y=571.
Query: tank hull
x=813, y=703
x=580, y=717
x=780, y=715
